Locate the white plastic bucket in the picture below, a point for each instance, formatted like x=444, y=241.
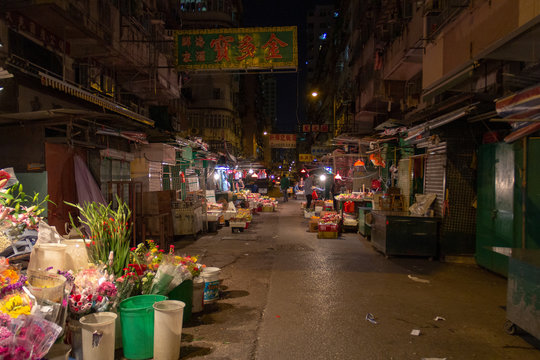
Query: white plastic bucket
x=168, y=316
x=51, y=255
x=198, y=295
x=76, y=255
x=98, y=336
x=211, y=284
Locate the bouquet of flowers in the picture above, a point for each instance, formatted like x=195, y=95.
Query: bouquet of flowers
x=30, y=337
x=190, y=262
x=93, y=291
x=169, y=275
x=11, y=280
x=15, y=304
x=18, y=210
x=110, y=233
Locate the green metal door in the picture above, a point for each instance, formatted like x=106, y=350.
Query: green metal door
x=495, y=214
x=532, y=210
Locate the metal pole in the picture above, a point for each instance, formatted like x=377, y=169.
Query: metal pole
x=524, y=195
x=334, y=114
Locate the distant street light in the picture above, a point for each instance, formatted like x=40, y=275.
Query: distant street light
x=314, y=94
x=265, y=133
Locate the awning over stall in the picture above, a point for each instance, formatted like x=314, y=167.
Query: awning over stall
x=47, y=80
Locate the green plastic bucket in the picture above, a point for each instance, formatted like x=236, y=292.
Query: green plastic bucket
x=137, y=319
x=184, y=293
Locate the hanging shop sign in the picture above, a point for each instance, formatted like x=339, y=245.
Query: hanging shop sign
x=305, y=157
x=319, y=151
x=315, y=128
x=306, y=128
x=237, y=49
x=287, y=141
x=323, y=128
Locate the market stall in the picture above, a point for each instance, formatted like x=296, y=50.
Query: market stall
x=84, y=294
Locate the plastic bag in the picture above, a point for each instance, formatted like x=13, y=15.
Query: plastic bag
x=314, y=195
x=422, y=204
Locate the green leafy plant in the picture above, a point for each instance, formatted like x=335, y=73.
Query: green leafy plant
x=19, y=211
x=110, y=232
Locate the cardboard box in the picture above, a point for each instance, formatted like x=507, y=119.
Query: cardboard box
x=327, y=235
x=157, y=202
x=313, y=226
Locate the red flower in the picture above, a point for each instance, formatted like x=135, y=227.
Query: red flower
x=133, y=249
x=161, y=250
x=4, y=175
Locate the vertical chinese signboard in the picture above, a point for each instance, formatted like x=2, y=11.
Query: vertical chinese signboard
x=235, y=49
x=286, y=141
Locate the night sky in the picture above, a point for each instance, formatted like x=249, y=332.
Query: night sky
x=284, y=13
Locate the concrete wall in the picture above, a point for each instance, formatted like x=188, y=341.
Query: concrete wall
x=474, y=31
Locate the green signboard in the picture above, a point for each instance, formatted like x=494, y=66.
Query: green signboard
x=237, y=49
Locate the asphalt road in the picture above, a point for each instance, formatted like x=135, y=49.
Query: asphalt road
x=287, y=295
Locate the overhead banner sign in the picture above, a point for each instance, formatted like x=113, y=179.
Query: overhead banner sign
x=237, y=49
x=315, y=128
x=286, y=141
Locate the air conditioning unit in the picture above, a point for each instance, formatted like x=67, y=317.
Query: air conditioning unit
x=433, y=7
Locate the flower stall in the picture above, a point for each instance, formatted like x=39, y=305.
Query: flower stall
x=91, y=293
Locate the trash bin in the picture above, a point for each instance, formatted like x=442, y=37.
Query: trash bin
x=212, y=226
x=168, y=329
x=184, y=293
x=98, y=336
x=137, y=319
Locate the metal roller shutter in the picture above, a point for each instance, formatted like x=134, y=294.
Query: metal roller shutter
x=435, y=175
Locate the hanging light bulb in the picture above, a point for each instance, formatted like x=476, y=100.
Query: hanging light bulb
x=359, y=162
x=337, y=177
x=216, y=176
x=322, y=177
x=251, y=171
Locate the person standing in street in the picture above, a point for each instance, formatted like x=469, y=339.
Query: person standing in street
x=308, y=188
x=284, y=185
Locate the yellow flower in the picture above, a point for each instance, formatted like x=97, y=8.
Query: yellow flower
x=15, y=306
x=154, y=250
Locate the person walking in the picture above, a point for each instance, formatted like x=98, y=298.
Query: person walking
x=308, y=190
x=284, y=185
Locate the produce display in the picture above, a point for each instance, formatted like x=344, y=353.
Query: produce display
x=354, y=196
